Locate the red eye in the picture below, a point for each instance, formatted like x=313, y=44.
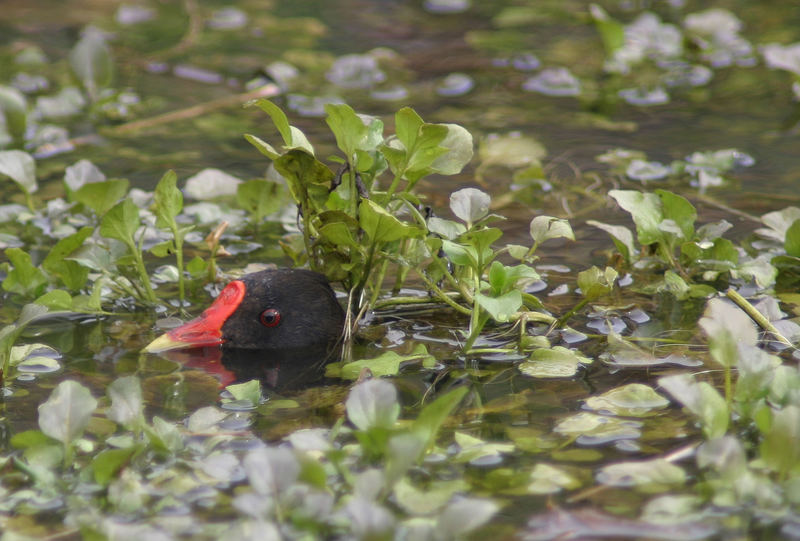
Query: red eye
x=270, y=317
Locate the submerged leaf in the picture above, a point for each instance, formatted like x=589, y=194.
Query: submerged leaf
x=631, y=400
x=555, y=362
x=512, y=150
x=650, y=475
x=548, y=479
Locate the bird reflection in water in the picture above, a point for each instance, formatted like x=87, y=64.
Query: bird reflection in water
x=277, y=370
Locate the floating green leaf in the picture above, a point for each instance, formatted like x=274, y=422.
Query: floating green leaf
x=631, y=400
x=555, y=362
x=249, y=391
x=649, y=475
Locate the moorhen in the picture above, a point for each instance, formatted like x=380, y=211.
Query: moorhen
x=275, y=310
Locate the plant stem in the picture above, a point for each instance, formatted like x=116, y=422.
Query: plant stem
x=234, y=100
x=393, y=187
x=29, y=201
x=666, y=254
x=444, y=297
x=476, y=322
x=137, y=256
x=563, y=319
x=351, y=176
x=532, y=249
x=178, y=240
x=728, y=388
x=757, y=316
x=404, y=301
x=378, y=282
x=641, y=339
x=533, y=316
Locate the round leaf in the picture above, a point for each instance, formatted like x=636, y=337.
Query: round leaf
x=547, y=227
x=66, y=413
x=458, y=141
x=373, y=403
x=20, y=167
x=470, y=204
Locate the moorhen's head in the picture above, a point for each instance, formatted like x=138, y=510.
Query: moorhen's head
x=281, y=309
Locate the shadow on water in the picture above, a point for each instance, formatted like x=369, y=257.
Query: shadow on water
x=277, y=370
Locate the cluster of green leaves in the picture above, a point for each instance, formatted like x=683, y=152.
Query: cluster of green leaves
x=463, y=257
x=105, y=233
x=353, y=228
x=107, y=470
x=667, y=238
x=110, y=239
x=351, y=225
x=760, y=471
x=649, y=58
x=780, y=239
x=702, y=170
x=92, y=69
